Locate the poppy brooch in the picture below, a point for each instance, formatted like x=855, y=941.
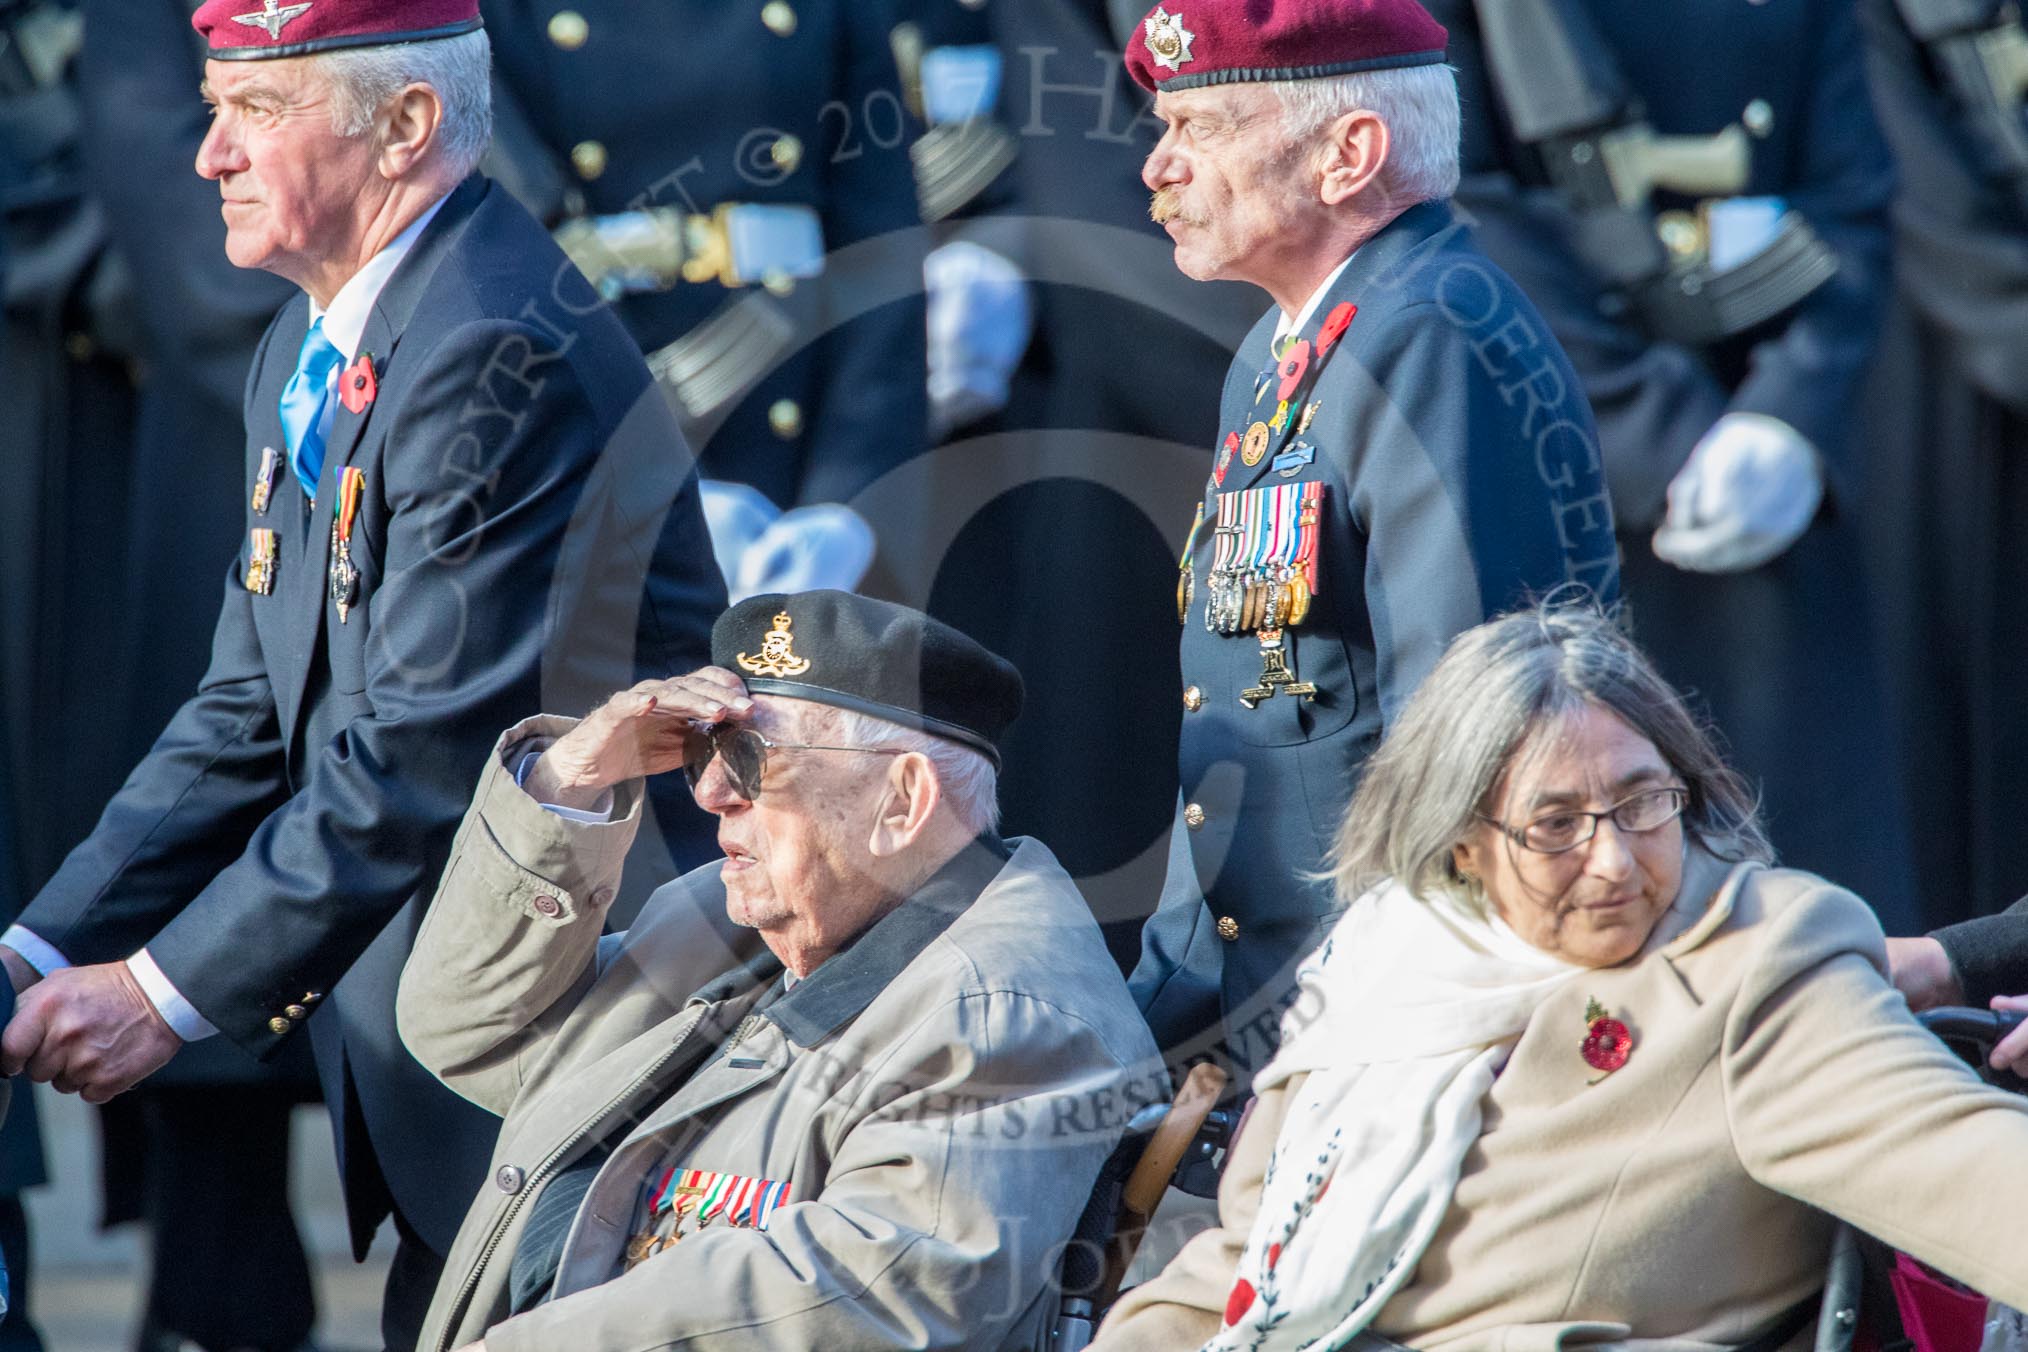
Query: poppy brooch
x=1606, y=1041
x=358, y=385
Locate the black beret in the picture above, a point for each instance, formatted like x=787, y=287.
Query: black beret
x=873, y=657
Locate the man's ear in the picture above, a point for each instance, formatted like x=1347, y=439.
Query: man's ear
x=408, y=128
x=1354, y=152
x=911, y=799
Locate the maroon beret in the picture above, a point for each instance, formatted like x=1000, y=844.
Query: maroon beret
x=1186, y=44
x=253, y=30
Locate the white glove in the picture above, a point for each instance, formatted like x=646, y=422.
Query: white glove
x=826, y=545
x=1748, y=491
x=980, y=319
x=735, y=514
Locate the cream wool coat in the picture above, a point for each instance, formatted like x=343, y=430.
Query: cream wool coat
x=1679, y=1204
x=939, y=1097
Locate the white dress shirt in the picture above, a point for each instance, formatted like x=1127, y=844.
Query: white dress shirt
x=345, y=326
x=1287, y=325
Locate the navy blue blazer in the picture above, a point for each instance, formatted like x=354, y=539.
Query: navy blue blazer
x=528, y=538
x=1462, y=477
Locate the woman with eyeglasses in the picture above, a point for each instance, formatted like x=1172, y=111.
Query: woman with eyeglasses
x=1580, y=1065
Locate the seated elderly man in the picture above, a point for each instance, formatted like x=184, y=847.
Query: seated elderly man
x=880, y=1125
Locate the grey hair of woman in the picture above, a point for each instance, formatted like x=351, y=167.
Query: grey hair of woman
x=1477, y=719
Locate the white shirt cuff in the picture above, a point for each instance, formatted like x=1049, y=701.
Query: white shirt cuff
x=599, y=814
x=31, y=946
x=181, y=1016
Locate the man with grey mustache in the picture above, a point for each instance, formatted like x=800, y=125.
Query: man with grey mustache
x=1403, y=453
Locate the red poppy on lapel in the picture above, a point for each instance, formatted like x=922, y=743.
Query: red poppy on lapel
x=358, y=385
x=1294, y=364
x=1607, y=1042
x=1335, y=324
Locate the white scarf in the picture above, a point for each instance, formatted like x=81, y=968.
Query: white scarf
x=1407, y=1012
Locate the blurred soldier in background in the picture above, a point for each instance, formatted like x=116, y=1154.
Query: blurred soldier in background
x=200, y=1152
x=1084, y=479
x=1951, y=446
x=63, y=455
x=733, y=176
x=1709, y=240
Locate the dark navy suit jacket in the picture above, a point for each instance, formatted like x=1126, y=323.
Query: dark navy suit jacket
x=1462, y=477
x=529, y=538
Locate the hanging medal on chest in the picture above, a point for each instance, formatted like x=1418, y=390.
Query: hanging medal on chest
x=344, y=576
x=1264, y=576
x=681, y=1202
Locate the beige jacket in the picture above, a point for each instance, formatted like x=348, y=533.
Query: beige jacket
x=939, y=1097
x=1679, y=1204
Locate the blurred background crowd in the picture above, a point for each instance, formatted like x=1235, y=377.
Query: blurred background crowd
x=956, y=367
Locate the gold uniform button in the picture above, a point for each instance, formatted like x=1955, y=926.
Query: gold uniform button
x=1228, y=928
x=279, y=1025
x=1193, y=816
x=785, y=416
x=568, y=29
x=1193, y=698
x=787, y=153
x=780, y=17
x=589, y=159
x=297, y=1012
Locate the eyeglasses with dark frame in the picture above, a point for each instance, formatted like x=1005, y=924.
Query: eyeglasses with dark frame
x=745, y=752
x=1564, y=830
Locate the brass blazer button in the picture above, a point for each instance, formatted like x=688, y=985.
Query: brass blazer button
x=1228, y=928
x=297, y=1012
x=589, y=159
x=1193, y=816
x=568, y=30
x=780, y=17
x=279, y=1025
x=1193, y=699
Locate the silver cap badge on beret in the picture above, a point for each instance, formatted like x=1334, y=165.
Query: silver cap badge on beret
x=1168, y=40
x=274, y=16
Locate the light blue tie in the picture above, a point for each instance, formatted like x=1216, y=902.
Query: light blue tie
x=303, y=406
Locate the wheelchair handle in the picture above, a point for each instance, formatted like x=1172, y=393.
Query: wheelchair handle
x=1983, y=1026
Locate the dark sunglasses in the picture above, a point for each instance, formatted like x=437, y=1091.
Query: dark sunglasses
x=745, y=753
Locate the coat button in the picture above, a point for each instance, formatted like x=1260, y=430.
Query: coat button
x=589, y=159
x=279, y=1025
x=312, y=997
x=1193, y=698
x=1193, y=816
x=787, y=153
x=785, y=416
x=548, y=906
x=1759, y=118
x=509, y=1179
x=1228, y=928
x=297, y=1012
x=780, y=17
x=568, y=29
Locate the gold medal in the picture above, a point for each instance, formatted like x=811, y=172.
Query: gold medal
x=1186, y=591
x=1255, y=446
x=1296, y=600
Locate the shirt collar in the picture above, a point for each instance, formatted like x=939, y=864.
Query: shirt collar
x=345, y=319
x=1286, y=326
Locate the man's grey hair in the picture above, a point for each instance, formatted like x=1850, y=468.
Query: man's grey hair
x=1476, y=720
x=1419, y=104
x=970, y=783
x=364, y=79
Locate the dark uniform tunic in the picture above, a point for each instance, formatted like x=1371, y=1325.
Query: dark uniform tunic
x=1783, y=656
x=1950, y=477
x=699, y=104
x=1461, y=477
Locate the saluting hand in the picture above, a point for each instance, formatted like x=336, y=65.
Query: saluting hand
x=642, y=731
x=89, y=1031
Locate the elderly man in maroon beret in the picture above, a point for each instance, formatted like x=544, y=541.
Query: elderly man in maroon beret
x=464, y=500
x=1403, y=453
